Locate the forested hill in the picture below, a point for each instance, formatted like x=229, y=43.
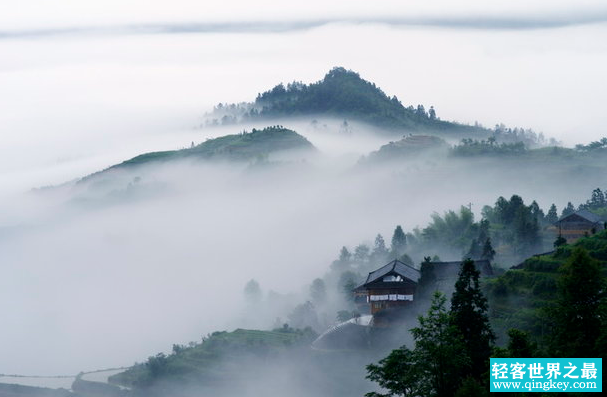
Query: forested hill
x=341, y=93
x=245, y=146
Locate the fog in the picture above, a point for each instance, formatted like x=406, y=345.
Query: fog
x=98, y=276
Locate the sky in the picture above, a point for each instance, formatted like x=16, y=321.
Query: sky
x=87, y=84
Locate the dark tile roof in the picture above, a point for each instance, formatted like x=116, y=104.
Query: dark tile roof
x=395, y=266
x=442, y=271
x=585, y=214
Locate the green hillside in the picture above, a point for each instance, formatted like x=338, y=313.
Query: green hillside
x=518, y=298
x=246, y=146
x=219, y=357
x=407, y=147
x=239, y=147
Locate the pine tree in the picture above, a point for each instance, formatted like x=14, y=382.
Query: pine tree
x=399, y=242
x=488, y=251
x=475, y=250
x=483, y=230
x=436, y=365
x=536, y=211
x=380, y=252
x=438, y=350
x=568, y=210
x=552, y=215
x=469, y=315
x=577, y=314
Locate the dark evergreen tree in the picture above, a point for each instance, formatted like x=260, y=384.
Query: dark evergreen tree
x=483, y=230
x=578, y=313
x=536, y=211
x=474, y=251
x=488, y=251
x=552, y=215
x=469, y=315
x=568, y=210
x=399, y=242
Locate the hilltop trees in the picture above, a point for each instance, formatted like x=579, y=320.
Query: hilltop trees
x=345, y=93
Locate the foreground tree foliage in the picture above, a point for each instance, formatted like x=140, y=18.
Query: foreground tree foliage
x=397, y=373
x=469, y=316
x=434, y=368
x=578, y=317
x=452, y=348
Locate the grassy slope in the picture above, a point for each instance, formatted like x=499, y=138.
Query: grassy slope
x=516, y=297
x=215, y=359
x=238, y=147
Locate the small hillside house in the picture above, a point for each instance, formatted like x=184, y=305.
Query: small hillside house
x=394, y=285
x=579, y=224
x=390, y=286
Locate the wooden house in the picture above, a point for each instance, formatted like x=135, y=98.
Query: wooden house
x=389, y=287
x=579, y=224
x=394, y=285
